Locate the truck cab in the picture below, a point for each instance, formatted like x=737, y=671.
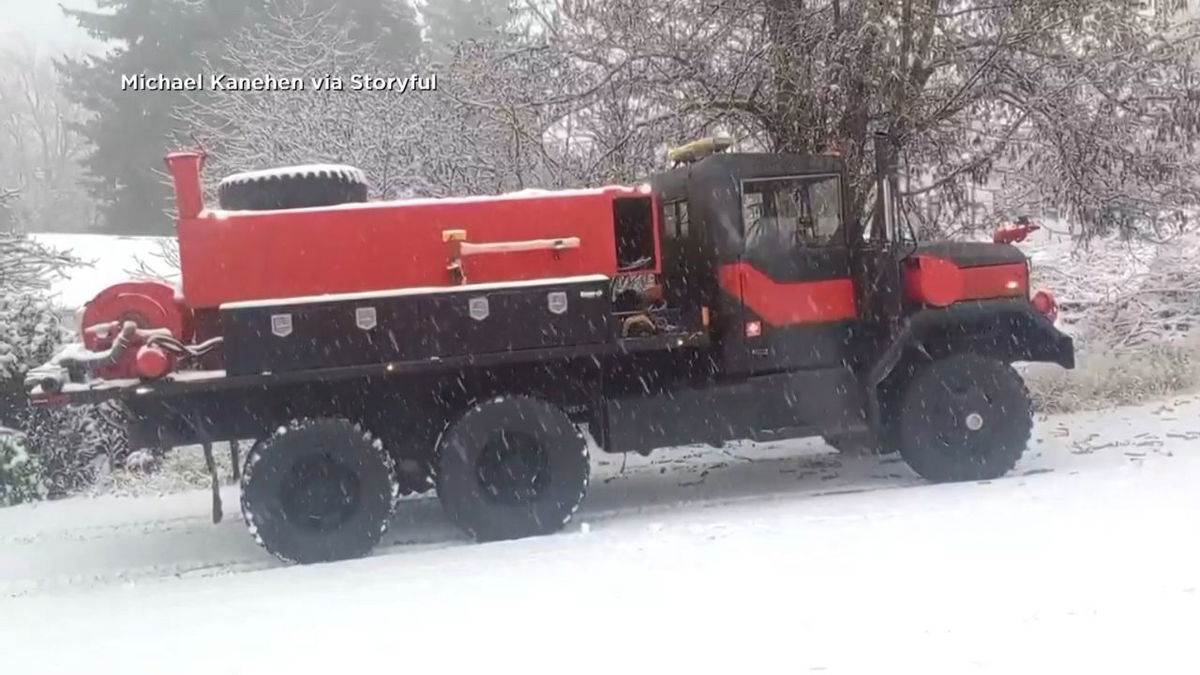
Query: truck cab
x=763, y=241
x=765, y=246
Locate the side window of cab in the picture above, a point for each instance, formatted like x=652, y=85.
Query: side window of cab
x=675, y=219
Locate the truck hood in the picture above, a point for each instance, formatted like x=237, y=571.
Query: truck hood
x=972, y=253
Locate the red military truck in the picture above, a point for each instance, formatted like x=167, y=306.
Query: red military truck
x=377, y=348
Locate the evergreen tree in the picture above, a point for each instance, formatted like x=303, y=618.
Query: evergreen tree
x=129, y=131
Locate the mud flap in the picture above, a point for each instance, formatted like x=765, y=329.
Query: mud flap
x=1044, y=342
x=210, y=461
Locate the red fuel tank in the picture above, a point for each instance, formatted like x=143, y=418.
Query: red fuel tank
x=229, y=256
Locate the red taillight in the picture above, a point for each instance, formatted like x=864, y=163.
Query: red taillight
x=1044, y=303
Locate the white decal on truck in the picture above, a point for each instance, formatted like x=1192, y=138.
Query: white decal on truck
x=557, y=302
x=281, y=324
x=478, y=308
x=365, y=317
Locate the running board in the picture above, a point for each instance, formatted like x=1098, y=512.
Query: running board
x=782, y=433
x=802, y=431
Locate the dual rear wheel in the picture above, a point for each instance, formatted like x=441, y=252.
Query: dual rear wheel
x=324, y=489
x=318, y=490
x=512, y=467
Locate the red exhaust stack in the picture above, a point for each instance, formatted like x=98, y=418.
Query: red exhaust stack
x=185, y=174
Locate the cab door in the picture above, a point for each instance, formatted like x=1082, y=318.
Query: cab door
x=798, y=300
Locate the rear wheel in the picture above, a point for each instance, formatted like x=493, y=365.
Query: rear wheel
x=964, y=417
x=318, y=490
x=512, y=467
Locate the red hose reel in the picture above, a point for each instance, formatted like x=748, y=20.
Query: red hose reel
x=150, y=305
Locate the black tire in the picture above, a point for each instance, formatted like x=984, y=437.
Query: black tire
x=293, y=187
x=318, y=490
x=936, y=427
x=512, y=467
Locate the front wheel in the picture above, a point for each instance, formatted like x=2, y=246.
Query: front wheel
x=964, y=417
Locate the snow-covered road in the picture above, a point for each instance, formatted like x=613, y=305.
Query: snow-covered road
x=781, y=558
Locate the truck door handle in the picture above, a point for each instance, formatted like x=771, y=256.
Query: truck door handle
x=590, y=294
x=760, y=352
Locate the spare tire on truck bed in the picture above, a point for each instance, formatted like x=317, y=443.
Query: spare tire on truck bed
x=293, y=187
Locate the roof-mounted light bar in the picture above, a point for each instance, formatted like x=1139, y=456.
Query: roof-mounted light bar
x=699, y=149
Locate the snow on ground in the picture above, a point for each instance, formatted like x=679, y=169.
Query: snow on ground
x=777, y=557
x=108, y=260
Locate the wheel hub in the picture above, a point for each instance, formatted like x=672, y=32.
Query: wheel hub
x=319, y=494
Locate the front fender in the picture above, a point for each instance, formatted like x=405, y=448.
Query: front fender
x=1008, y=330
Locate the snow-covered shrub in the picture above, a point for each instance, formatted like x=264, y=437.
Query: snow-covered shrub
x=72, y=443
x=64, y=442
x=180, y=469
x=1133, y=308
x=1163, y=303
x=1121, y=294
x=61, y=445
x=20, y=478
x=30, y=325
x=1106, y=376
x=30, y=331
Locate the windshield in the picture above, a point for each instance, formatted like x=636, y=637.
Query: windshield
x=786, y=212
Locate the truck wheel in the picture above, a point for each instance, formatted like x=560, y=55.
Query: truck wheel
x=964, y=417
x=318, y=490
x=292, y=187
x=512, y=467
